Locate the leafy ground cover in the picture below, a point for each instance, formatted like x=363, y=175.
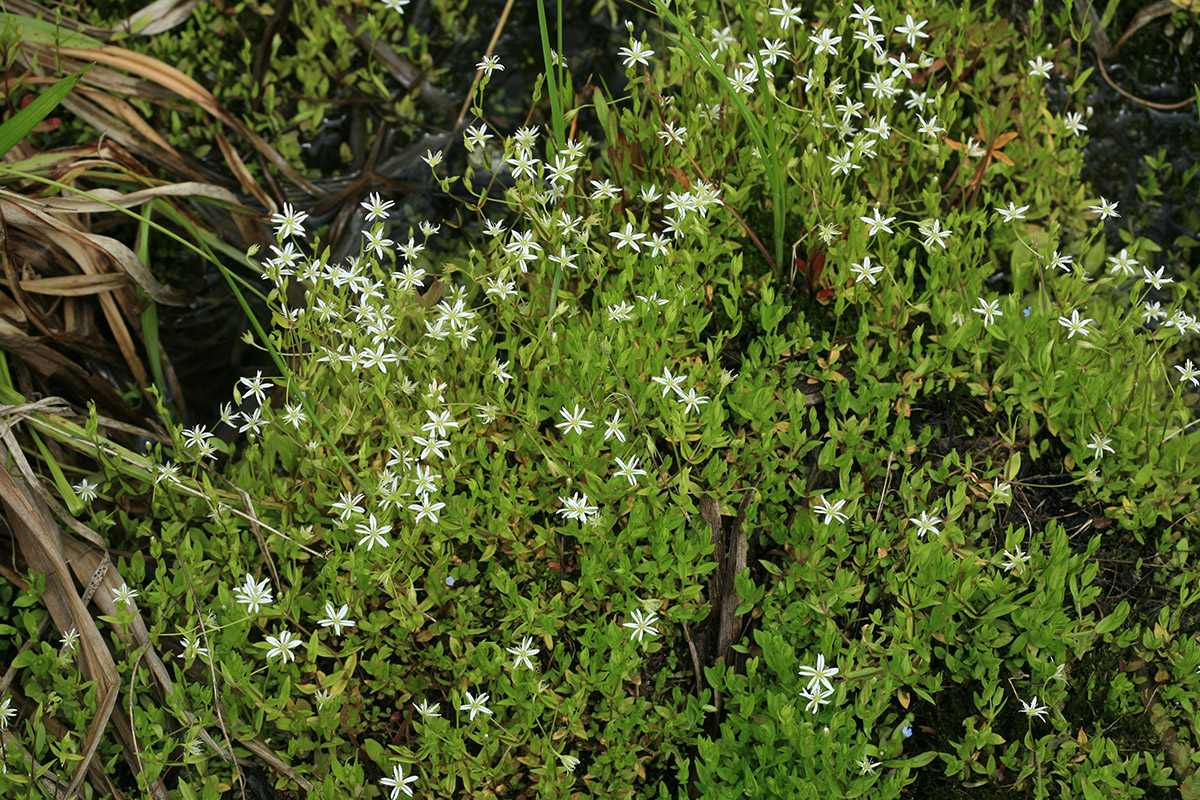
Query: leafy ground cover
x=784, y=426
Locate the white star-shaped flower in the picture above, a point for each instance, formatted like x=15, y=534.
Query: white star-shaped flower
x=336, y=619
x=641, y=624
x=524, y=652
x=282, y=645
x=475, y=705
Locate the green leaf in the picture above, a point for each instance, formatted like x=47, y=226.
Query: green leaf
x=1113, y=620
x=20, y=126
x=45, y=32
x=912, y=763
x=604, y=114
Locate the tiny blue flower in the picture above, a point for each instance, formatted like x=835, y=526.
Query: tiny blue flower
x=1027, y=310
x=907, y=731
x=449, y=580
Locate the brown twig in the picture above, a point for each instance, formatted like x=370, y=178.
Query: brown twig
x=1134, y=97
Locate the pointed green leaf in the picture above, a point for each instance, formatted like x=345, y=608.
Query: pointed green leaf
x=17, y=128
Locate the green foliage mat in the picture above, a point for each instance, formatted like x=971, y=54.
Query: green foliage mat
x=802, y=438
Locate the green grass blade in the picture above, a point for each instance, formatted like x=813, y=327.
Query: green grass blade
x=20, y=126
x=44, y=32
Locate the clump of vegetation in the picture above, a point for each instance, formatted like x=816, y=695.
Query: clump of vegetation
x=794, y=435
x=296, y=70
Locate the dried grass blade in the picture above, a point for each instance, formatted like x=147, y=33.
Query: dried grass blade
x=40, y=542
x=167, y=76
x=160, y=16
x=124, y=135
x=74, y=285
x=82, y=205
x=30, y=214
x=243, y=176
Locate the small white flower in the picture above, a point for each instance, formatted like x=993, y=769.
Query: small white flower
x=376, y=207
x=825, y=41
x=427, y=711
x=293, y=414
x=489, y=64
x=929, y=127
x=819, y=675
x=372, y=533
x=1156, y=279
x=877, y=223
x=636, y=53
x=612, y=427
x=124, y=595
x=1012, y=211
x=253, y=594
x=911, y=29
x=398, y=782
x=830, y=511
x=1100, y=445
x=926, y=523
x=1188, y=372
x=641, y=624
x=628, y=237
x=282, y=645
x=691, y=402
x=426, y=510
x=787, y=15
x=865, y=269
x=87, y=490
x=1015, y=560
x=1059, y=261
x=1040, y=68
x=1105, y=209
x=989, y=309
x=290, y=222
x=816, y=697
x=573, y=421
x=7, y=712
x=629, y=470
x=1032, y=709
x=475, y=705
x=577, y=507
x=1074, y=324
x=1123, y=262
x=524, y=652
x=192, y=649
x=336, y=619
x=1073, y=122
x=669, y=382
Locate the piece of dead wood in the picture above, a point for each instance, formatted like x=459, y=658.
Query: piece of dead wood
x=729, y=552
